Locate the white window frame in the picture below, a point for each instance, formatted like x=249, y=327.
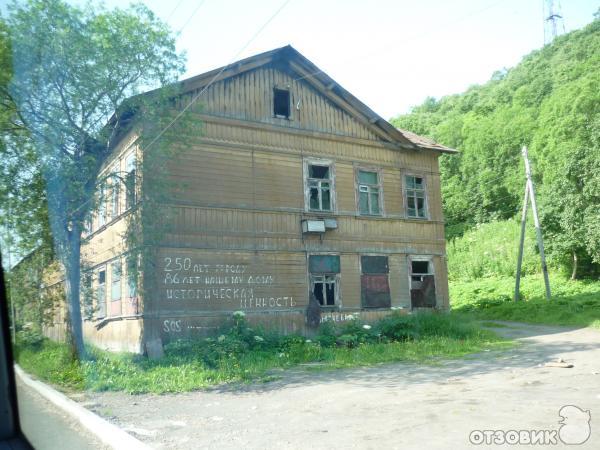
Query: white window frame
x=431, y=271
x=312, y=278
x=319, y=162
x=360, y=187
x=406, y=196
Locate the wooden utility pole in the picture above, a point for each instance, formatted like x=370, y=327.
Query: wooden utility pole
x=530, y=194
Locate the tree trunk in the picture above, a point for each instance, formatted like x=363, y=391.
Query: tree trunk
x=574, y=273
x=72, y=281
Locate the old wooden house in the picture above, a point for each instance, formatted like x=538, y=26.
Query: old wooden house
x=294, y=190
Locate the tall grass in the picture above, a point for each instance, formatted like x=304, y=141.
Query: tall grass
x=490, y=249
x=244, y=354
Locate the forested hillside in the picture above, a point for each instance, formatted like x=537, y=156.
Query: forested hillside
x=549, y=102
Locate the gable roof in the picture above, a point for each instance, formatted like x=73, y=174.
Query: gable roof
x=325, y=85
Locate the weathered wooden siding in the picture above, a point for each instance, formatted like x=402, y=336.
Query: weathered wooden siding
x=249, y=97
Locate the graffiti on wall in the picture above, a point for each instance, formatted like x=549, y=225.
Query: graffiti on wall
x=226, y=286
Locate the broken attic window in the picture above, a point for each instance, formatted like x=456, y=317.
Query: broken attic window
x=416, y=200
x=281, y=103
x=375, y=287
x=319, y=186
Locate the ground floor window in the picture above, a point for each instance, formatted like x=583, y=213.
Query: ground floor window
x=101, y=294
x=422, y=282
x=324, y=278
x=374, y=283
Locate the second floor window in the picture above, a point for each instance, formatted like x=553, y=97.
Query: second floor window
x=416, y=198
x=320, y=185
x=369, y=193
x=115, y=192
x=102, y=205
x=130, y=188
x=115, y=280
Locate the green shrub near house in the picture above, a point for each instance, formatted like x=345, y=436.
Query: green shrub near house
x=241, y=353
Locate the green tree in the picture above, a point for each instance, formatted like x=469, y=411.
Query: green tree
x=73, y=70
x=548, y=102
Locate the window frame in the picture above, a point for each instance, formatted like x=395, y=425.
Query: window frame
x=115, y=192
x=332, y=191
x=431, y=271
x=362, y=273
x=357, y=190
x=337, y=278
x=425, y=195
x=101, y=288
x=290, y=102
x=130, y=171
x=116, y=263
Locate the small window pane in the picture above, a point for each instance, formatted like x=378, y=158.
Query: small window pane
x=324, y=264
x=374, y=264
x=330, y=294
x=363, y=203
x=410, y=182
x=326, y=200
x=314, y=198
x=421, y=267
x=367, y=177
x=374, y=203
x=321, y=172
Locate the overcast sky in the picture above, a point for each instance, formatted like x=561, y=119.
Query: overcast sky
x=391, y=54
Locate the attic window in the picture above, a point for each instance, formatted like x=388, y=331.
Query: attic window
x=281, y=103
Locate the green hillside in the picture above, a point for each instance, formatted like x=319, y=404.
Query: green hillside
x=549, y=102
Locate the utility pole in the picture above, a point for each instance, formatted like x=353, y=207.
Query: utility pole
x=554, y=22
x=530, y=195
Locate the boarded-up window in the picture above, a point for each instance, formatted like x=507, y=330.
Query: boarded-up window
x=101, y=295
x=375, y=287
x=324, y=278
x=422, y=284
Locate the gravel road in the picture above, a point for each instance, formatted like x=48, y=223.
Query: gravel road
x=384, y=407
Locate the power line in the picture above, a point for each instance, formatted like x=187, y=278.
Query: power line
x=197, y=96
x=191, y=16
x=417, y=36
x=174, y=9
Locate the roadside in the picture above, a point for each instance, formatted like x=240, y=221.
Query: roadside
x=388, y=406
x=47, y=427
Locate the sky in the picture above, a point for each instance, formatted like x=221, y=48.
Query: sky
x=391, y=54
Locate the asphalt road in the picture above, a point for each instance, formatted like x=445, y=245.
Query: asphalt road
x=46, y=427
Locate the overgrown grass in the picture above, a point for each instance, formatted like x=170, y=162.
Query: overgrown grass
x=243, y=354
x=575, y=303
x=490, y=250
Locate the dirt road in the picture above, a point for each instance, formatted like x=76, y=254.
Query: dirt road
x=384, y=407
